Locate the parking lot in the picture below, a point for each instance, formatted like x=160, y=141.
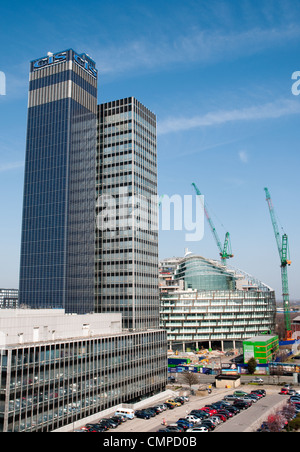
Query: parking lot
x=246, y=420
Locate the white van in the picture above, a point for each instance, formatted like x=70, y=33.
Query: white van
x=128, y=412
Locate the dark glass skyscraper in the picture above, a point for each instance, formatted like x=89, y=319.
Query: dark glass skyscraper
x=126, y=234
x=57, y=249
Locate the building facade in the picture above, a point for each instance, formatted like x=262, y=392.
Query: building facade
x=296, y=328
x=262, y=348
x=9, y=298
x=73, y=367
x=204, y=303
x=126, y=232
x=57, y=246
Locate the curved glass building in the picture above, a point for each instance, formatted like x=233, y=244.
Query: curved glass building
x=204, y=303
x=202, y=274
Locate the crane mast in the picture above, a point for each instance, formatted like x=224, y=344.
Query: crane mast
x=283, y=251
x=225, y=251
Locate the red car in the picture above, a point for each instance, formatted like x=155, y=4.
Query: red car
x=284, y=391
x=225, y=413
x=210, y=411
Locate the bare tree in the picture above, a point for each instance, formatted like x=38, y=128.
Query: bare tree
x=189, y=378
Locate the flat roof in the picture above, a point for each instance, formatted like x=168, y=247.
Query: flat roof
x=227, y=377
x=261, y=338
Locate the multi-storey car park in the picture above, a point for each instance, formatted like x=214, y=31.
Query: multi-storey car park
x=56, y=369
x=204, y=303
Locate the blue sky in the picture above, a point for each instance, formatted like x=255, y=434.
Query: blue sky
x=218, y=76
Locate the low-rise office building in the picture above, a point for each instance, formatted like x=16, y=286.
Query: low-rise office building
x=262, y=348
x=56, y=369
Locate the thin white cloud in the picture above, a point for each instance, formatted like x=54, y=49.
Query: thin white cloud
x=259, y=112
x=197, y=46
x=11, y=166
x=243, y=156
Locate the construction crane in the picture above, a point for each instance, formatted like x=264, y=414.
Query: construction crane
x=225, y=251
x=283, y=250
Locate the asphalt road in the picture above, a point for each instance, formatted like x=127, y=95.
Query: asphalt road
x=246, y=420
x=250, y=419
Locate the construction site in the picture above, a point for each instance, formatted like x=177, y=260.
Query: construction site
x=207, y=305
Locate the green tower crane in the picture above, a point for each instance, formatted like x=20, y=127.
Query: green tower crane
x=283, y=250
x=225, y=251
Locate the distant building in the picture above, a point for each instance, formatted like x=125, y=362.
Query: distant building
x=296, y=327
x=9, y=298
x=204, y=303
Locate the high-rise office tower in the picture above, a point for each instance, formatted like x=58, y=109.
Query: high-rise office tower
x=57, y=249
x=126, y=232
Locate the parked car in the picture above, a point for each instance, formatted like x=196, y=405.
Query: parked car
x=248, y=399
x=241, y=404
x=224, y=403
x=199, y=413
x=156, y=409
x=114, y=424
x=232, y=409
x=230, y=397
x=222, y=417
x=200, y=429
x=142, y=414
x=170, y=406
x=295, y=398
x=174, y=428
x=240, y=393
x=183, y=423
x=284, y=391
x=210, y=411
x=216, y=420
x=163, y=406
x=179, y=400
x=173, y=402
x=116, y=419
x=122, y=417
x=209, y=425
x=192, y=418
x=105, y=425
x=95, y=428
x=226, y=413
x=151, y=411
x=257, y=380
x=259, y=394
x=211, y=407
